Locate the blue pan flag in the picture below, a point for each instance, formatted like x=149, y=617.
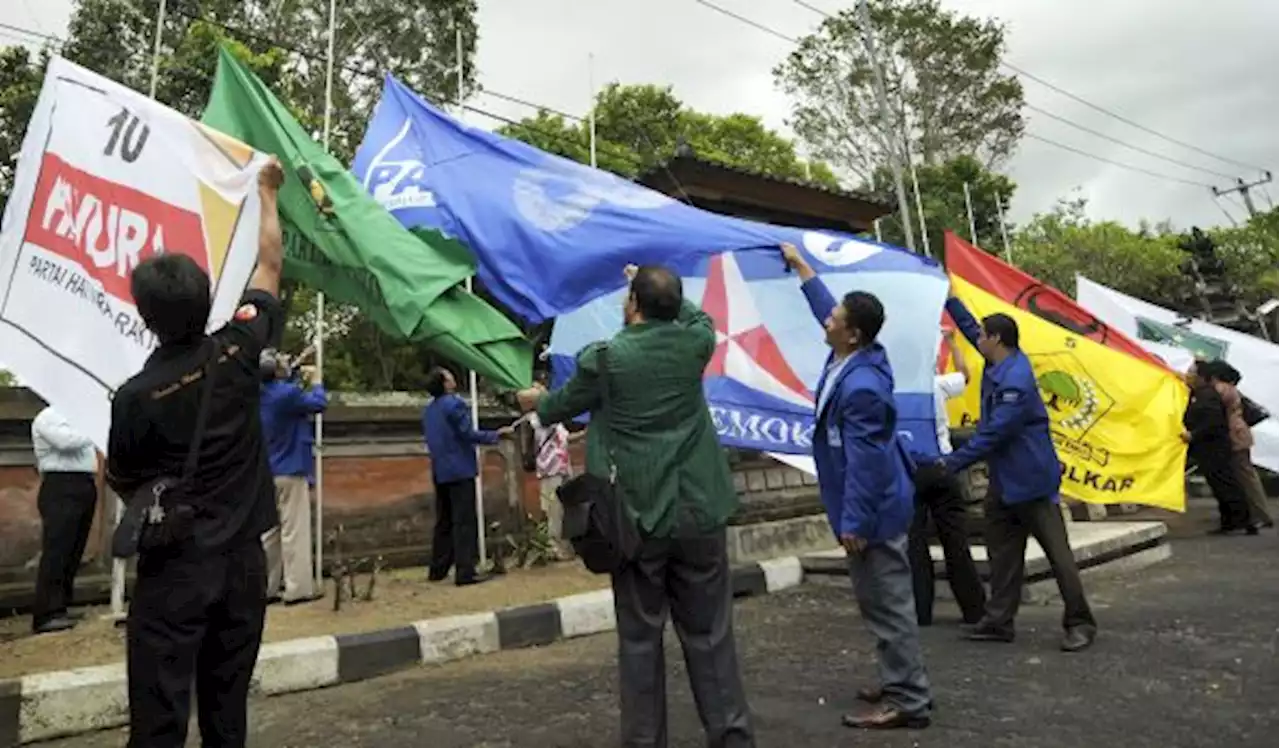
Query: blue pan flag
x=551, y=237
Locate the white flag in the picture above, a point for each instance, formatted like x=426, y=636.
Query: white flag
x=106, y=179
x=1154, y=327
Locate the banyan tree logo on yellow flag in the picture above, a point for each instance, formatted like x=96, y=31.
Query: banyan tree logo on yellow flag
x=1116, y=420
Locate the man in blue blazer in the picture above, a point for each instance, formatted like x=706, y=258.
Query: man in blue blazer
x=452, y=440
x=864, y=476
x=1014, y=438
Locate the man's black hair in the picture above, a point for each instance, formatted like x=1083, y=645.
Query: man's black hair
x=435, y=381
x=863, y=312
x=658, y=293
x=1002, y=327
x=1219, y=370
x=172, y=295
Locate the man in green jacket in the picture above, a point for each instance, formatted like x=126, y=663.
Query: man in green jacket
x=677, y=488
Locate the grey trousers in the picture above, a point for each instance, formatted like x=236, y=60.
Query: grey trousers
x=1007, y=528
x=881, y=576
x=689, y=578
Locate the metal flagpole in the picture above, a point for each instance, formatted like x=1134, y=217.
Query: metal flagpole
x=915, y=186
x=119, y=567
x=968, y=206
x=886, y=126
x=591, y=111
x=319, y=445
x=876, y=223
x=472, y=386
x=1004, y=230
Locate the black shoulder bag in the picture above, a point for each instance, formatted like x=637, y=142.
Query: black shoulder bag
x=595, y=518
x=161, y=513
x=1253, y=413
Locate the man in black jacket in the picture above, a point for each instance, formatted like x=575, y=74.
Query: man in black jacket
x=1208, y=437
x=199, y=602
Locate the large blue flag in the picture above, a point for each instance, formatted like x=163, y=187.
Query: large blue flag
x=551, y=237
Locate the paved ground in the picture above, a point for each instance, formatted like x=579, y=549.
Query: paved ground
x=1187, y=657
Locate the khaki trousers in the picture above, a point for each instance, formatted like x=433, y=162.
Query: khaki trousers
x=554, y=511
x=288, y=546
x=1247, y=474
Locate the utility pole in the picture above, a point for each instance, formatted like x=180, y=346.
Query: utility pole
x=886, y=125
x=1243, y=188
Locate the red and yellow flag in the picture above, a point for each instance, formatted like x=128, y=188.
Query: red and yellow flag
x=1115, y=410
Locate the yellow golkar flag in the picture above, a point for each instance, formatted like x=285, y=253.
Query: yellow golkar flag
x=1116, y=419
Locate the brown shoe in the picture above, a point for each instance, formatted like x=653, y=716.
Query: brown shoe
x=870, y=694
x=885, y=718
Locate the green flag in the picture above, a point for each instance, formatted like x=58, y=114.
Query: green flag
x=342, y=242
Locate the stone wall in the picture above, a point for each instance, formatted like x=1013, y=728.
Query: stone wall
x=377, y=486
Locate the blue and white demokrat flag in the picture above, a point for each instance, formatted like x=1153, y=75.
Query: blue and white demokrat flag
x=551, y=237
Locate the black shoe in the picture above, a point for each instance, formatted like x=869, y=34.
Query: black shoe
x=1269, y=524
x=433, y=577
x=477, y=579
x=1078, y=638
x=985, y=633
x=1252, y=529
x=53, y=625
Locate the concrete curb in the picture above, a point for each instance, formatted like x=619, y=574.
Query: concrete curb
x=69, y=702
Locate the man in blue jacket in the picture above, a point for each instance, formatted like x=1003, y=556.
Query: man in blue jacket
x=1013, y=437
x=288, y=412
x=864, y=476
x=452, y=440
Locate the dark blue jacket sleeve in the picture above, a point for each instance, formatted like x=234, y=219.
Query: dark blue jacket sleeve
x=459, y=416
x=869, y=469
x=306, y=402
x=965, y=323
x=821, y=302
x=1009, y=411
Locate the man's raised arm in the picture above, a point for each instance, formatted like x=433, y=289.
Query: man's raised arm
x=266, y=276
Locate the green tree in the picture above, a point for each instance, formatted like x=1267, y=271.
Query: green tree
x=1056, y=246
x=947, y=96
x=639, y=127
x=20, y=76
x=942, y=197
x=1250, y=254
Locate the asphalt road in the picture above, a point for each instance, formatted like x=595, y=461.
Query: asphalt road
x=1187, y=656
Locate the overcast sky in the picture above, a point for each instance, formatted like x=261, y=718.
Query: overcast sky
x=1209, y=78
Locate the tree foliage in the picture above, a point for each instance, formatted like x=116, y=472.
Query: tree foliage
x=947, y=95
x=639, y=127
x=1056, y=246
x=942, y=197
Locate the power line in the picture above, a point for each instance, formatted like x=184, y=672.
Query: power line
x=1105, y=160
x=31, y=32
x=819, y=11
x=1097, y=108
x=1130, y=146
x=1128, y=121
x=749, y=22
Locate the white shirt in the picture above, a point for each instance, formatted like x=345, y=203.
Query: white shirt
x=945, y=387
x=829, y=381
x=60, y=448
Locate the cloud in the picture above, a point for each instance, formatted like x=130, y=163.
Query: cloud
x=1208, y=78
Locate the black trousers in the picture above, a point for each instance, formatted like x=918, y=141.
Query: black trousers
x=944, y=501
x=455, y=540
x=689, y=579
x=195, y=617
x=66, y=502
x=1224, y=481
x=1007, y=528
